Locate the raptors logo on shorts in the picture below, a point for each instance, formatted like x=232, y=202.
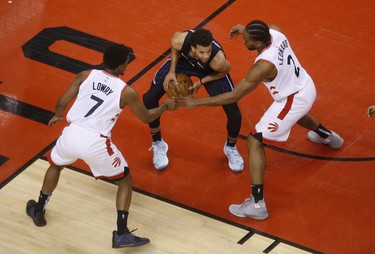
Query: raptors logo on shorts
x=273, y=127
x=116, y=162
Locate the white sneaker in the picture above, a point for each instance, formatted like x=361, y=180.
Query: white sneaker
x=250, y=209
x=333, y=140
x=160, y=158
x=235, y=160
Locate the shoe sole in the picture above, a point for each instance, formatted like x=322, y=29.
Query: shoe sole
x=130, y=245
x=236, y=170
x=244, y=216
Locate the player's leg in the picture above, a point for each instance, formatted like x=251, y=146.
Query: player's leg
x=318, y=133
x=234, y=120
x=36, y=210
x=254, y=206
x=109, y=163
x=273, y=128
x=58, y=156
x=122, y=237
x=151, y=100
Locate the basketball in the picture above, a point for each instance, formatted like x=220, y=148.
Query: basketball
x=180, y=89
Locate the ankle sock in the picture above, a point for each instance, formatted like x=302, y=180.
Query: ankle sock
x=322, y=131
x=42, y=201
x=230, y=143
x=257, y=192
x=122, y=222
x=156, y=136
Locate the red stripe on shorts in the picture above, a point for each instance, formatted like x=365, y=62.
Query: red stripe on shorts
x=108, y=144
x=287, y=107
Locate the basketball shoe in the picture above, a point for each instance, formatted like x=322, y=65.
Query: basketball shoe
x=250, y=209
x=127, y=240
x=38, y=217
x=333, y=140
x=235, y=160
x=160, y=159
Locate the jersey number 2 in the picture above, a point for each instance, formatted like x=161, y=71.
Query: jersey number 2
x=296, y=69
x=98, y=103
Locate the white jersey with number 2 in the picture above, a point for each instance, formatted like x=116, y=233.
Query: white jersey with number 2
x=97, y=105
x=292, y=89
x=291, y=77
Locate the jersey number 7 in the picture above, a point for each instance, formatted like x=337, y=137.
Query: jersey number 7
x=98, y=103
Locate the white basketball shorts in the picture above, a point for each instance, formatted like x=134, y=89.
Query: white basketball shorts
x=277, y=122
x=98, y=151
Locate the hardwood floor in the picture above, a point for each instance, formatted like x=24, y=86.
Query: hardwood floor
x=81, y=217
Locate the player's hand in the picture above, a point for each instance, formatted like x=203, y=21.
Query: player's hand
x=187, y=101
x=170, y=76
x=371, y=111
x=171, y=103
x=55, y=119
x=235, y=31
x=195, y=87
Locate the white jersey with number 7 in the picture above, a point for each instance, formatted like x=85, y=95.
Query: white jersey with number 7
x=97, y=105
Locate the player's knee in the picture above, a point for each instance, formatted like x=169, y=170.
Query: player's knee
x=56, y=167
x=255, y=139
x=152, y=96
x=126, y=178
x=149, y=101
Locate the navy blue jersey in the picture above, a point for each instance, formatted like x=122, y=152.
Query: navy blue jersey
x=194, y=67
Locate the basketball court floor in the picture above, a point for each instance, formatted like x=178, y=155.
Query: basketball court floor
x=319, y=200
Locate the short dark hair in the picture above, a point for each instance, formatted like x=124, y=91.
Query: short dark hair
x=115, y=55
x=202, y=37
x=259, y=31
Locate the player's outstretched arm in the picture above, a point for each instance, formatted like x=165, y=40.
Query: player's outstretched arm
x=130, y=97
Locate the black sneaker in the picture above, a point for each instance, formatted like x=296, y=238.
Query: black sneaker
x=38, y=217
x=127, y=240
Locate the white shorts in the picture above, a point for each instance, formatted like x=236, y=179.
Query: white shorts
x=98, y=151
x=277, y=122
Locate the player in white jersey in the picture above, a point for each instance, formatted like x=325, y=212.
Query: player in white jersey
x=100, y=97
x=293, y=92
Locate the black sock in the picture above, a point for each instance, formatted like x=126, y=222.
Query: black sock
x=122, y=222
x=42, y=201
x=156, y=136
x=257, y=192
x=322, y=131
x=231, y=143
